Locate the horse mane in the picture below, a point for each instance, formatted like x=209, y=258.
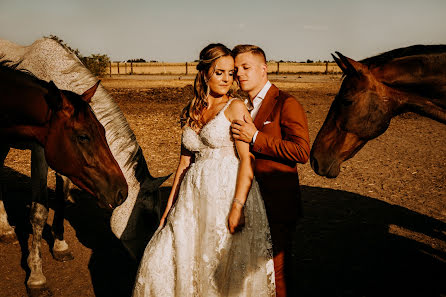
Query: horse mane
x=413, y=50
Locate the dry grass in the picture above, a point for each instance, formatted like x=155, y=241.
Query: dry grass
x=286, y=82
x=144, y=83
x=180, y=68
x=153, y=68
x=303, y=67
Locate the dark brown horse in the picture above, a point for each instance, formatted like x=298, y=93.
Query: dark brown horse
x=373, y=91
x=63, y=132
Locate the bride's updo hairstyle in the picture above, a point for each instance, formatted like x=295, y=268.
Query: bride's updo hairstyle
x=191, y=114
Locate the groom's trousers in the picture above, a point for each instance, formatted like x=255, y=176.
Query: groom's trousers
x=282, y=236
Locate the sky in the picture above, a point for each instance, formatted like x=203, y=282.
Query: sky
x=176, y=31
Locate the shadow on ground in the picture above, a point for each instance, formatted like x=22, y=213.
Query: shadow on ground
x=112, y=270
x=346, y=245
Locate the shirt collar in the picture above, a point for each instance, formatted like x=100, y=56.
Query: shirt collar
x=265, y=89
x=261, y=95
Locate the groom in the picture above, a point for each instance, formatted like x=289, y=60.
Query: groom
x=279, y=140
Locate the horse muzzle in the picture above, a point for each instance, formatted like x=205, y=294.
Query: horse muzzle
x=328, y=167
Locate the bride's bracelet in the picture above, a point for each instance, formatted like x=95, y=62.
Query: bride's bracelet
x=239, y=202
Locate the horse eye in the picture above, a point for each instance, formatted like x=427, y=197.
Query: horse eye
x=346, y=102
x=83, y=138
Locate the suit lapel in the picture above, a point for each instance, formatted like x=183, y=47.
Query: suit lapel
x=267, y=106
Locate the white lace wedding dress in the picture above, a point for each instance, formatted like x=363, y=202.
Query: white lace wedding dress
x=194, y=254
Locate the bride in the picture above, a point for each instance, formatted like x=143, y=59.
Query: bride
x=214, y=237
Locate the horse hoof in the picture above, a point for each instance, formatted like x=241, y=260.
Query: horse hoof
x=8, y=237
x=63, y=256
x=39, y=291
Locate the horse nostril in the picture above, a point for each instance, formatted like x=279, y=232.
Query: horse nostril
x=122, y=195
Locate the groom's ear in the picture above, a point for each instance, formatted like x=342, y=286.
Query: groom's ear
x=265, y=68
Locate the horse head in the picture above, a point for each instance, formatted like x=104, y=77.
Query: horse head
x=76, y=146
x=360, y=112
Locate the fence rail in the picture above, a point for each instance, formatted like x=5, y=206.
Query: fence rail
x=116, y=68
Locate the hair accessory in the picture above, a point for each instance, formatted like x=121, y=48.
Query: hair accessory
x=203, y=62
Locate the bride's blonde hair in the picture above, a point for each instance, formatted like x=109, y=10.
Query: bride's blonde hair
x=191, y=114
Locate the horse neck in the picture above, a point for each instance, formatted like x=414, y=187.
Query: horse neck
x=24, y=107
x=423, y=75
x=407, y=101
x=416, y=83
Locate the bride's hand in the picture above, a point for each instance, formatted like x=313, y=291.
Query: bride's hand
x=236, y=218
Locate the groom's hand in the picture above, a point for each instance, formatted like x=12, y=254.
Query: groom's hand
x=236, y=219
x=243, y=130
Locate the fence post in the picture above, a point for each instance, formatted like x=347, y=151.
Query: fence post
x=277, y=68
x=326, y=67
x=125, y=66
x=118, y=67
x=110, y=69
x=131, y=67
x=186, y=68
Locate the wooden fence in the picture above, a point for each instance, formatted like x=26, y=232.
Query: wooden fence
x=117, y=68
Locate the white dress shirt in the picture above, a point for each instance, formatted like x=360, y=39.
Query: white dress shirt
x=256, y=103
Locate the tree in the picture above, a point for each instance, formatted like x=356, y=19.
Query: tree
x=140, y=60
x=96, y=63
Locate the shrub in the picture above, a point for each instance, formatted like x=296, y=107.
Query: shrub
x=96, y=63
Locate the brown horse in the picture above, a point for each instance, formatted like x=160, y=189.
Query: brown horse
x=63, y=132
x=373, y=91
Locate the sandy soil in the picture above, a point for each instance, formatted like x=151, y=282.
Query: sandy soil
x=379, y=229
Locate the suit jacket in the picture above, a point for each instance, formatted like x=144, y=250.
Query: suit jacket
x=281, y=143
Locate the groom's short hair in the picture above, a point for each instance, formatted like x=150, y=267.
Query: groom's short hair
x=248, y=48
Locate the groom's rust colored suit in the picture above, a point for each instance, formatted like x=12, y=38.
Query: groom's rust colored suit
x=281, y=143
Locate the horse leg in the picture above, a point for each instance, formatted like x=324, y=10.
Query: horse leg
x=61, y=251
x=67, y=186
x=7, y=233
x=39, y=213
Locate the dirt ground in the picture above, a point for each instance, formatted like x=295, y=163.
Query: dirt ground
x=379, y=229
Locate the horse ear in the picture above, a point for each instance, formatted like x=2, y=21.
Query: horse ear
x=88, y=94
x=340, y=64
x=53, y=97
x=57, y=101
x=351, y=66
